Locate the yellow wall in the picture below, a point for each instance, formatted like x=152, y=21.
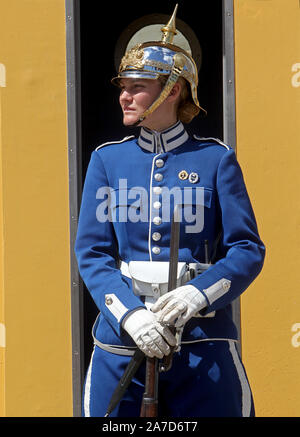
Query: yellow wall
x=267, y=44
x=34, y=211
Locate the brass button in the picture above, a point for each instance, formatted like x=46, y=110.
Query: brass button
x=156, y=250
x=183, y=175
x=157, y=190
x=156, y=236
x=226, y=285
x=108, y=300
x=159, y=163
x=157, y=220
x=158, y=177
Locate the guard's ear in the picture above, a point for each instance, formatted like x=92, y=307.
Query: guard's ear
x=175, y=91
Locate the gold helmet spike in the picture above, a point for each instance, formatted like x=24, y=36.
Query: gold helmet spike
x=169, y=30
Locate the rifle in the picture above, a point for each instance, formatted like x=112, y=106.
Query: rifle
x=149, y=407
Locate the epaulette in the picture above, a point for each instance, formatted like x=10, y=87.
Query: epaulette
x=114, y=142
x=212, y=139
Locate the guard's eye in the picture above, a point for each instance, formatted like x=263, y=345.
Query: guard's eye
x=138, y=85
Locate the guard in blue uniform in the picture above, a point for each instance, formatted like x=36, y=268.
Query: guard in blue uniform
x=123, y=249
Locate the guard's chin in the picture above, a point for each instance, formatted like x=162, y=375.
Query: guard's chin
x=131, y=121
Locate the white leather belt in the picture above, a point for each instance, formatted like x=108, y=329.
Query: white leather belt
x=150, y=278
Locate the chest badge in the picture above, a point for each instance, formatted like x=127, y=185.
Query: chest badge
x=193, y=177
x=183, y=175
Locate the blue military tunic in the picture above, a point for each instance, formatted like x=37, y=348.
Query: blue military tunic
x=122, y=217
x=130, y=190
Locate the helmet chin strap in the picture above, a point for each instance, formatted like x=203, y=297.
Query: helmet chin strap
x=178, y=66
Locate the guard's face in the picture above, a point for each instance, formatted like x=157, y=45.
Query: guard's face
x=136, y=96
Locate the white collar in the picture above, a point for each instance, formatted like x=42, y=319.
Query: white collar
x=164, y=141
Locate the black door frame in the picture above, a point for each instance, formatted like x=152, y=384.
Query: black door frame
x=75, y=184
x=72, y=9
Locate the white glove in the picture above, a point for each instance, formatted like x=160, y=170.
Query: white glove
x=151, y=336
x=181, y=304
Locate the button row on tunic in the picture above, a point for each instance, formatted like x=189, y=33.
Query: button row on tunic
x=156, y=236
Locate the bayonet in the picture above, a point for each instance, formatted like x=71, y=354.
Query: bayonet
x=126, y=379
